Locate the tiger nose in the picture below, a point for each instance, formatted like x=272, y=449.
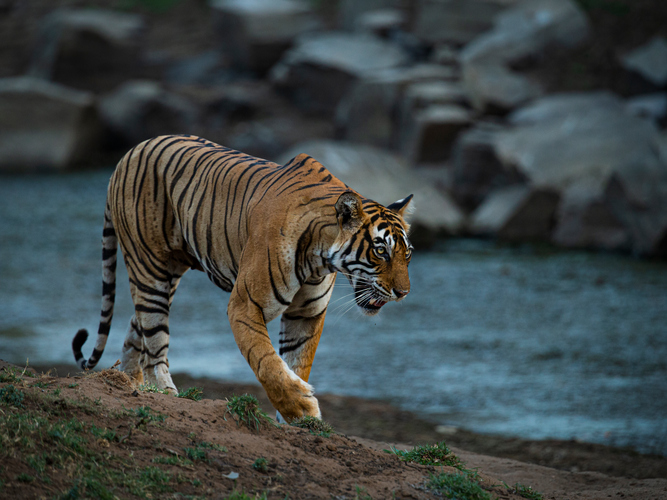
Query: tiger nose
x=400, y=293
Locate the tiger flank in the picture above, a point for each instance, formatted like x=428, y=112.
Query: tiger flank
x=274, y=236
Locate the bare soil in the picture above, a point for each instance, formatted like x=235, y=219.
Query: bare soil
x=300, y=464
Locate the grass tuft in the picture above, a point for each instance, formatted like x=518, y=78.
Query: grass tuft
x=261, y=465
x=148, y=415
x=523, y=491
x=247, y=409
x=152, y=388
x=11, y=396
x=314, y=425
x=193, y=393
x=436, y=454
x=458, y=485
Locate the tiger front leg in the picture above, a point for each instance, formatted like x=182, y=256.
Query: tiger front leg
x=288, y=393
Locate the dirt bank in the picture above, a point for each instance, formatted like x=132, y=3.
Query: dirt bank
x=93, y=436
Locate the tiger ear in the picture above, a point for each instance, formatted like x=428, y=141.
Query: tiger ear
x=349, y=211
x=402, y=207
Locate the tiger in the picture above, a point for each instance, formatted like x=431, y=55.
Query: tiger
x=274, y=236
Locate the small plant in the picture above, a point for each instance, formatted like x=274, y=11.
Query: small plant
x=524, y=491
x=193, y=393
x=40, y=384
x=152, y=388
x=261, y=465
x=172, y=460
x=458, y=485
x=247, y=409
x=25, y=478
x=199, y=451
x=10, y=395
x=105, y=433
x=314, y=425
x=73, y=385
x=437, y=454
x=148, y=415
x=361, y=494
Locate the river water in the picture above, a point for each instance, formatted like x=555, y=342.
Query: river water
x=513, y=341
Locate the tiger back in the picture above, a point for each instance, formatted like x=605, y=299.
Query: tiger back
x=274, y=236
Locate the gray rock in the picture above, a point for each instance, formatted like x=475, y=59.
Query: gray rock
x=431, y=132
x=563, y=139
x=527, y=29
x=649, y=61
x=381, y=22
x=256, y=33
x=350, y=11
x=369, y=112
x=385, y=178
x=492, y=88
x=92, y=49
x=320, y=69
x=588, y=147
x=139, y=110
x=455, y=21
x=516, y=213
x=45, y=126
x=653, y=106
x=476, y=170
x=585, y=221
x=637, y=196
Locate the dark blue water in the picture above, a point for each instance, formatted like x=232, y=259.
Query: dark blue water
x=497, y=340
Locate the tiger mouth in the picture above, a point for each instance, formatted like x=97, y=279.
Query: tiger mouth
x=369, y=305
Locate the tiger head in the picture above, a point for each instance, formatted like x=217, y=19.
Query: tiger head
x=372, y=250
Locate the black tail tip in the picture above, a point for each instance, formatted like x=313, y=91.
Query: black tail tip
x=78, y=341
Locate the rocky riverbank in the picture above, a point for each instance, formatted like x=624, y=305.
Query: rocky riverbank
x=522, y=120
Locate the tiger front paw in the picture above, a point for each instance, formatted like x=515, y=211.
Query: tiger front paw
x=295, y=400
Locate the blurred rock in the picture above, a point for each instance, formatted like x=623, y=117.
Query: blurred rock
x=637, y=196
x=652, y=106
x=381, y=22
x=516, y=213
x=476, y=170
x=320, y=69
x=91, y=49
x=445, y=54
x=351, y=11
x=585, y=221
x=494, y=89
x=563, y=139
x=385, y=178
x=142, y=109
x=429, y=134
x=649, y=61
x=526, y=30
x=455, y=21
x=256, y=33
x=45, y=126
x=588, y=147
x=369, y=112
x=207, y=68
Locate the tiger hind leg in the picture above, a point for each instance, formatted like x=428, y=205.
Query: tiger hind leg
x=131, y=360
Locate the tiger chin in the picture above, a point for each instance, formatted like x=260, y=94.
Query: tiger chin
x=273, y=236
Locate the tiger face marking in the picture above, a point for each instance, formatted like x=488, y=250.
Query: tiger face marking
x=274, y=236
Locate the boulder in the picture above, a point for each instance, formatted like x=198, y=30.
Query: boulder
x=526, y=30
x=649, y=61
x=516, y=213
x=142, y=109
x=455, y=21
x=652, y=106
x=256, y=33
x=369, y=112
x=637, y=196
x=563, y=139
x=91, y=49
x=431, y=132
x=381, y=22
x=385, y=178
x=320, y=69
x=45, y=126
x=351, y=11
x=583, y=220
x=476, y=169
x=494, y=89
x=603, y=160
